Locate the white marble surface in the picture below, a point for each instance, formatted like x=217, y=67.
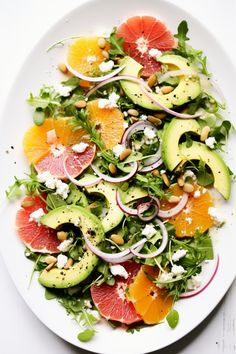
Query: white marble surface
x=22, y=23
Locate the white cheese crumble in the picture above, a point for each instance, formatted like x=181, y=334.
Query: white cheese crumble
x=154, y=53
x=57, y=150
x=65, y=245
x=162, y=172
x=106, y=66
x=118, y=149
x=52, y=182
x=189, y=173
x=218, y=219
x=62, y=90
x=81, y=147
x=125, y=125
x=194, y=282
x=62, y=189
x=189, y=220
x=210, y=142
x=149, y=231
x=149, y=133
x=164, y=277
x=91, y=59
x=178, y=255
x=125, y=114
x=143, y=117
x=157, y=89
x=36, y=215
x=197, y=194
x=61, y=261
x=119, y=270
x=110, y=102
x=177, y=270
x=87, y=303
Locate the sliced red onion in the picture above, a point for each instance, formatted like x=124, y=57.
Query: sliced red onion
x=174, y=73
x=123, y=207
x=116, y=179
x=142, y=207
x=160, y=249
x=77, y=182
x=94, y=78
x=164, y=108
x=118, y=78
x=213, y=270
x=151, y=167
x=176, y=209
x=138, y=246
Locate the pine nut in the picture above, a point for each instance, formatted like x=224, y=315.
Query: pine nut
x=154, y=120
x=180, y=181
x=134, y=119
x=205, y=132
x=118, y=239
x=112, y=168
x=155, y=173
x=165, y=179
x=152, y=80
x=62, y=235
x=27, y=203
x=188, y=187
x=160, y=115
x=167, y=89
x=69, y=263
x=125, y=154
x=80, y=104
x=101, y=43
x=133, y=112
x=50, y=266
x=173, y=199
x=62, y=67
x=50, y=259
x=105, y=54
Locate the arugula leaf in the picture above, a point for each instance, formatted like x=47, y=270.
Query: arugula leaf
x=54, y=201
x=204, y=177
x=116, y=44
x=182, y=34
x=153, y=184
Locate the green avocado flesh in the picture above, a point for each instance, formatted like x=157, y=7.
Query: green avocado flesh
x=88, y=224
x=199, y=151
x=187, y=89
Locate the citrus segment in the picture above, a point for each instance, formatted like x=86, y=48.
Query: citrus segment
x=142, y=33
x=109, y=122
x=194, y=217
x=37, y=237
x=85, y=55
x=112, y=301
x=150, y=302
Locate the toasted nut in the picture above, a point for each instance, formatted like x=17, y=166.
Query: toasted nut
x=121, y=93
x=27, y=203
x=112, y=168
x=152, y=80
x=105, y=54
x=156, y=173
x=160, y=115
x=93, y=205
x=118, y=239
x=165, y=179
x=50, y=266
x=205, y=132
x=69, y=263
x=154, y=120
x=188, y=187
x=133, y=112
x=62, y=67
x=167, y=89
x=134, y=119
x=101, y=43
x=62, y=235
x=173, y=199
x=80, y=104
x=125, y=154
x=180, y=181
x=50, y=259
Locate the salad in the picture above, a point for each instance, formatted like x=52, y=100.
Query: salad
x=118, y=209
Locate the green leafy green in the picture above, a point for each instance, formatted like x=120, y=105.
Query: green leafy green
x=86, y=335
x=172, y=318
x=116, y=44
x=204, y=176
x=54, y=201
x=153, y=184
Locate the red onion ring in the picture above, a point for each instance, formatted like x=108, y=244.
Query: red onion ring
x=191, y=293
x=123, y=207
x=174, y=73
x=142, y=207
x=116, y=179
x=175, y=210
x=96, y=78
x=151, y=167
x=138, y=246
x=160, y=249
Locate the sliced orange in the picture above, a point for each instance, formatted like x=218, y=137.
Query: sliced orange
x=109, y=122
x=150, y=302
x=194, y=217
x=85, y=55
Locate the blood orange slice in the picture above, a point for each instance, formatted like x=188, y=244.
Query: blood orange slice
x=142, y=33
x=112, y=301
x=38, y=238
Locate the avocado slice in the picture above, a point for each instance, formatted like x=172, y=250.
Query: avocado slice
x=188, y=88
x=89, y=224
x=133, y=193
x=171, y=136
x=199, y=151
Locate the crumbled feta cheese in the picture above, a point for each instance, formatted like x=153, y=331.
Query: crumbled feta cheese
x=61, y=261
x=194, y=282
x=218, y=219
x=125, y=114
x=81, y=147
x=36, y=215
x=149, y=231
x=106, y=66
x=162, y=172
x=87, y=303
x=57, y=150
x=164, y=277
x=157, y=89
x=178, y=255
x=210, y=142
x=143, y=117
x=119, y=270
x=189, y=173
x=177, y=270
x=204, y=191
x=63, y=90
x=65, y=245
x=91, y=59
x=189, y=220
x=125, y=125
x=110, y=102
x=149, y=133
x=48, y=179
x=154, y=53
x=118, y=149
x=142, y=45
x=62, y=189
x=197, y=194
